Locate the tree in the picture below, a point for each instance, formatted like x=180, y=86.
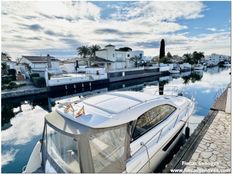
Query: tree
x=18, y=60
x=193, y=58
x=136, y=60
x=197, y=56
x=196, y=77
x=93, y=50
x=5, y=68
x=5, y=57
x=125, y=49
x=186, y=79
x=83, y=51
x=162, y=49
x=188, y=58
x=169, y=55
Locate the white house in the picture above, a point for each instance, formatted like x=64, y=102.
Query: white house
x=39, y=64
x=214, y=59
x=113, y=59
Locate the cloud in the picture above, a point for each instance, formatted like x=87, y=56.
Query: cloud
x=149, y=44
x=25, y=126
x=159, y=11
x=113, y=40
x=106, y=31
x=212, y=29
x=64, y=25
x=35, y=27
x=8, y=156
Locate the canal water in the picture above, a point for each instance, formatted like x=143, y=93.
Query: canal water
x=23, y=118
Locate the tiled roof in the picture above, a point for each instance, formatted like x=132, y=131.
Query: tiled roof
x=39, y=59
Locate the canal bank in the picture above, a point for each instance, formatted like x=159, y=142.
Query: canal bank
x=208, y=148
x=23, y=91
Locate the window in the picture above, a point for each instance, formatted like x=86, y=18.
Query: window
x=151, y=118
x=128, y=55
x=108, y=149
x=63, y=150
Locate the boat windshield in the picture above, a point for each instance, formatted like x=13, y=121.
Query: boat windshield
x=63, y=150
x=109, y=148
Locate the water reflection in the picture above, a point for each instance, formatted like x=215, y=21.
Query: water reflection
x=193, y=77
x=19, y=139
x=23, y=118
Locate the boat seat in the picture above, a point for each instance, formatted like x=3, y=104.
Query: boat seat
x=138, y=131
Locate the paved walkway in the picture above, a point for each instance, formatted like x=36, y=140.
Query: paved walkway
x=213, y=153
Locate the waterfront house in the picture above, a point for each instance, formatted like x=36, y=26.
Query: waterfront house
x=114, y=59
x=68, y=65
x=38, y=64
x=214, y=59
x=5, y=58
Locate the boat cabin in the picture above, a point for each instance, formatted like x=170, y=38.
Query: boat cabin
x=103, y=133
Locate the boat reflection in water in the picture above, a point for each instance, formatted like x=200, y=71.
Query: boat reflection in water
x=92, y=136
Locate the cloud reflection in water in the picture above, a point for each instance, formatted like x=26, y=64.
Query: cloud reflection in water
x=26, y=125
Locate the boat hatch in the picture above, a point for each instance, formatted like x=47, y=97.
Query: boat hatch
x=99, y=150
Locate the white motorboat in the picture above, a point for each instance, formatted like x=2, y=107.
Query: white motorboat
x=198, y=67
x=112, y=132
x=227, y=64
x=174, y=71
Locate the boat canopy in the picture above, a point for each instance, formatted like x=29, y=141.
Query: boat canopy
x=71, y=149
x=114, y=108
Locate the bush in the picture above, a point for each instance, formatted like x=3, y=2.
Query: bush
x=12, y=85
x=49, y=76
x=7, y=79
x=12, y=72
x=39, y=81
x=34, y=75
x=4, y=87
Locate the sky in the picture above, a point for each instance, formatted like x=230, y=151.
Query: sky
x=58, y=28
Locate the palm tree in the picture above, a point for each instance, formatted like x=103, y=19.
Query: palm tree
x=136, y=60
x=83, y=51
x=93, y=50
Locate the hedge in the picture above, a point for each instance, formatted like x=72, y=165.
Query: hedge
x=34, y=75
x=38, y=81
x=12, y=85
x=7, y=79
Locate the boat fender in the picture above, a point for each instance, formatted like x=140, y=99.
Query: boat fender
x=187, y=131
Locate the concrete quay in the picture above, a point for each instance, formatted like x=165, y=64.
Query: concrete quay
x=23, y=91
x=208, y=149
x=213, y=154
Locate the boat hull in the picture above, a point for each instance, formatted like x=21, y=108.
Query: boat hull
x=198, y=68
x=227, y=65
x=164, y=150
x=174, y=71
